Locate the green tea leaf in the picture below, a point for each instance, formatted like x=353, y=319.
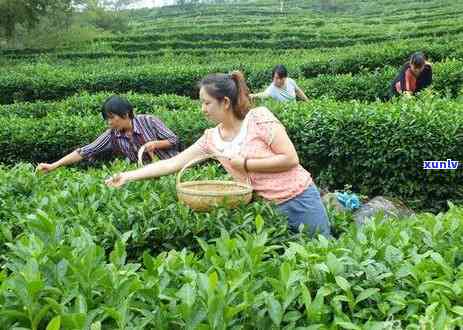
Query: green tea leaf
x=54, y=324
x=334, y=265
x=348, y=325
x=259, y=223
x=365, y=294
x=275, y=310
x=342, y=282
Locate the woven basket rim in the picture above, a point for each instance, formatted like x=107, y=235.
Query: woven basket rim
x=184, y=188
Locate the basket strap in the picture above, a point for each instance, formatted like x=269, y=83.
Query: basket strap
x=200, y=159
x=140, y=155
x=191, y=163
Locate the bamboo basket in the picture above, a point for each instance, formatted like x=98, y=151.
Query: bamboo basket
x=205, y=194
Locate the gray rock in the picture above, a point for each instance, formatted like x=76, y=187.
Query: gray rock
x=391, y=207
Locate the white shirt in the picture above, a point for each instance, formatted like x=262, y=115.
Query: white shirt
x=231, y=148
x=284, y=94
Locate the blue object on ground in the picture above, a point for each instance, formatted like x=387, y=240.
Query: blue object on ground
x=349, y=201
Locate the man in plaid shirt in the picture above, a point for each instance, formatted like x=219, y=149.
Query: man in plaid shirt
x=126, y=135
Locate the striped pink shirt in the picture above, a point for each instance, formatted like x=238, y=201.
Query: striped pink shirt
x=145, y=128
x=278, y=187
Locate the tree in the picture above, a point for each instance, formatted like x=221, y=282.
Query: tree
x=116, y=5
x=107, y=15
x=26, y=13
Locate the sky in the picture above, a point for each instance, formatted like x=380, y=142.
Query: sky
x=152, y=3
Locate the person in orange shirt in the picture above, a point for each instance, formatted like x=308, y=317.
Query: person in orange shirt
x=252, y=144
x=414, y=76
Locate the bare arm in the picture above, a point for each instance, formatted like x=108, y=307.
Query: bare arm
x=163, y=133
x=161, y=144
x=261, y=95
x=300, y=94
x=285, y=158
x=73, y=157
x=102, y=143
x=157, y=169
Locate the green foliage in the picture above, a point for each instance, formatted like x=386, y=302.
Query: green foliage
x=146, y=215
x=379, y=148
x=106, y=20
x=47, y=82
x=64, y=271
x=27, y=13
x=57, y=36
x=79, y=255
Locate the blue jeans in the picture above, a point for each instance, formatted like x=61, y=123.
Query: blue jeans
x=307, y=209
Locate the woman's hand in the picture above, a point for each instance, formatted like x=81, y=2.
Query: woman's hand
x=407, y=94
x=151, y=146
x=45, y=168
x=117, y=180
x=237, y=162
x=254, y=96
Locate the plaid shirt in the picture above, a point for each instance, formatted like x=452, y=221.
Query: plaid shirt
x=145, y=128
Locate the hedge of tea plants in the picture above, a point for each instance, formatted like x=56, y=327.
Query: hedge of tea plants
x=76, y=254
